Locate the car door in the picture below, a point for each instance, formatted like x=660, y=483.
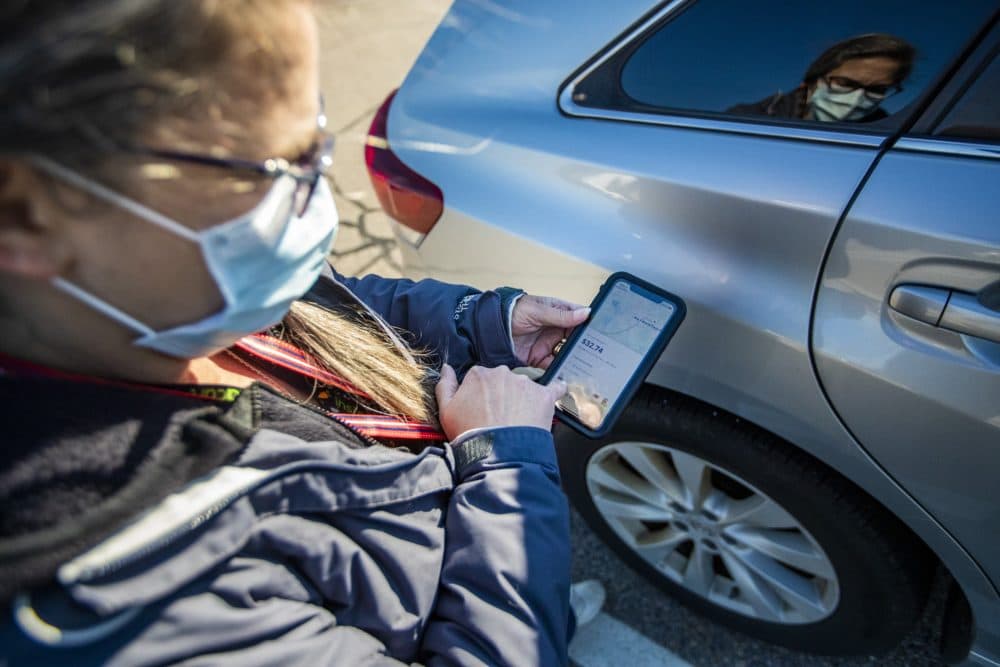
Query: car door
x=718, y=181
x=906, y=331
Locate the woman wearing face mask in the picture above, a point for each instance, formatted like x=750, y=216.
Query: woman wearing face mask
x=217, y=450
x=847, y=83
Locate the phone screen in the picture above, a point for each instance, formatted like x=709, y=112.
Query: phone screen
x=613, y=344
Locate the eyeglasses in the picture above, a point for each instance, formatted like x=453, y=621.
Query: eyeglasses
x=876, y=92
x=306, y=169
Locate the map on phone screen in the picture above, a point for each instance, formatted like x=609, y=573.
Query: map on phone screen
x=610, y=349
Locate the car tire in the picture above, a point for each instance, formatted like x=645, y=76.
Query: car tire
x=862, y=600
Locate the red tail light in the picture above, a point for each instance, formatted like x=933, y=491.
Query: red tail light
x=404, y=194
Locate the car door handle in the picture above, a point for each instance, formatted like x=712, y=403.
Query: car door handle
x=920, y=302
x=965, y=314
x=960, y=312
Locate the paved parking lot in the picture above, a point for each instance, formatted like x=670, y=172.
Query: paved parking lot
x=368, y=47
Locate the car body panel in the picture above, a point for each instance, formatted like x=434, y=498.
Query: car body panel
x=555, y=203
x=924, y=218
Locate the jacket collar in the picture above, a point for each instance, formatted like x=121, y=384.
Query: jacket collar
x=81, y=459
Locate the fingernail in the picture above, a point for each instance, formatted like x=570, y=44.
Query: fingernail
x=585, y=311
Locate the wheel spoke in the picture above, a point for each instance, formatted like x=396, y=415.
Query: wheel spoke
x=800, y=593
x=610, y=473
x=664, y=543
x=693, y=474
x=759, y=512
x=652, y=465
x=699, y=574
x=621, y=506
x=792, y=549
x=752, y=589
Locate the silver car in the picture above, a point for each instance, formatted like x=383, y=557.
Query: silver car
x=820, y=182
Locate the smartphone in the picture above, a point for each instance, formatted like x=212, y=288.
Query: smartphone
x=608, y=357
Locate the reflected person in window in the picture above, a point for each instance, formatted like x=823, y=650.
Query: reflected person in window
x=846, y=83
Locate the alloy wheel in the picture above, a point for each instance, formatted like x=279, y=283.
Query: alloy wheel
x=712, y=532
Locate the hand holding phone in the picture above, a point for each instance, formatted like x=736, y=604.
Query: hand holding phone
x=609, y=356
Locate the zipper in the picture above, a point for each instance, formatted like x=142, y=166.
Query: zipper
x=353, y=429
x=367, y=439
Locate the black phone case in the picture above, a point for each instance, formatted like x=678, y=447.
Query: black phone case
x=640, y=374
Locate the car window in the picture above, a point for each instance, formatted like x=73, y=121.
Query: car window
x=851, y=61
x=977, y=114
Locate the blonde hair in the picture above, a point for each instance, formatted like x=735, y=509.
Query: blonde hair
x=355, y=348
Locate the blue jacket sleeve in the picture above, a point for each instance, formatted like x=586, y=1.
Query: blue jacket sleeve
x=504, y=592
x=456, y=323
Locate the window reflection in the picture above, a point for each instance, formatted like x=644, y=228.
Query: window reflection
x=846, y=83
x=853, y=61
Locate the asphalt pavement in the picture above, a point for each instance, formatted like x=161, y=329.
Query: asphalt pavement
x=367, y=48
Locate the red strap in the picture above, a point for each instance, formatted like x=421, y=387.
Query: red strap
x=384, y=426
x=291, y=358
x=272, y=350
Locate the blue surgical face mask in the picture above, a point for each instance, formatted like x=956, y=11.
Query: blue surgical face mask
x=828, y=106
x=261, y=261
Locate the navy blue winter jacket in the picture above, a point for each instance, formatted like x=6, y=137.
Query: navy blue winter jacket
x=148, y=528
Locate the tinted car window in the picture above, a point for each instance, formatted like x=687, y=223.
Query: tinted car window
x=867, y=59
x=977, y=114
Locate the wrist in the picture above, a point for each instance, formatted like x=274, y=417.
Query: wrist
x=478, y=449
x=509, y=296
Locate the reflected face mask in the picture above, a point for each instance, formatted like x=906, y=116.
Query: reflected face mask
x=261, y=262
x=828, y=106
